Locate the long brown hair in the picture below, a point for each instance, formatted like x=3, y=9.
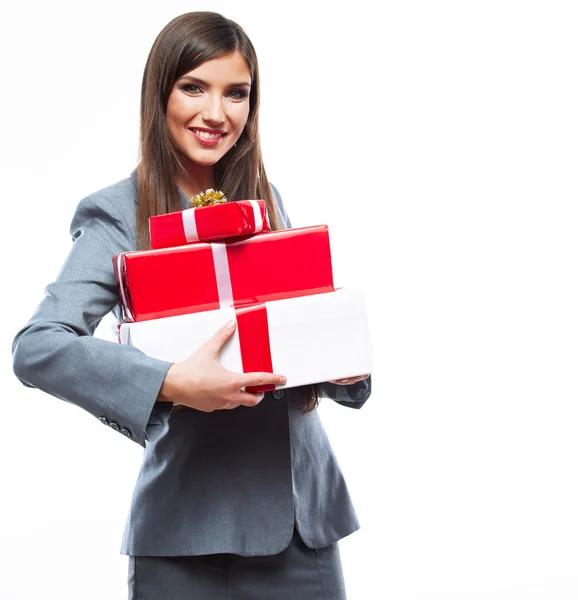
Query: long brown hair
x=185, y=43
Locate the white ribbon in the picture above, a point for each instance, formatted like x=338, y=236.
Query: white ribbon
x=221, y=262
x=257, y=214
x=224, y=287
x=190, y=225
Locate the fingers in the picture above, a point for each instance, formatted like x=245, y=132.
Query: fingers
x=244, y=399
x=222, y=335
x=349, y=380
x=257, y=379
x=230, y=406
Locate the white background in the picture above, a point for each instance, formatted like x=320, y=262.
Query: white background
x=438, y=140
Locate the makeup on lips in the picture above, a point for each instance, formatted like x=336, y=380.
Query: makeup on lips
x=207, y=137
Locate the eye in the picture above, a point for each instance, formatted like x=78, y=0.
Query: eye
x=191, y=88
x=238, y=94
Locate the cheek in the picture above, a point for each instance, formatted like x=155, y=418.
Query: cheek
x=240, y=115
x=178, y=111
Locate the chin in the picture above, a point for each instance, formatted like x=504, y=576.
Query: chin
x=205, y=161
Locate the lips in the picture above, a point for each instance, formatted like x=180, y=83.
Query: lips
x=207, y=133
x=207, y=137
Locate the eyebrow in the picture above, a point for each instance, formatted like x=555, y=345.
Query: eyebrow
x=202, y=82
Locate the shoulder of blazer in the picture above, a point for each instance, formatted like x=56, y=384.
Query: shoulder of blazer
x=116, y=201
x=122, y=194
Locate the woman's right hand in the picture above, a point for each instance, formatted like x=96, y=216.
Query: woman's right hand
x=201, y=382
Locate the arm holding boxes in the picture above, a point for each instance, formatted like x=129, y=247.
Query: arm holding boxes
x=56, y=351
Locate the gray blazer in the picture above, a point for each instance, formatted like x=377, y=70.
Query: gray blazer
x=232, y=481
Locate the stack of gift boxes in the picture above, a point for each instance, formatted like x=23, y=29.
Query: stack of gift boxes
x=211, y=264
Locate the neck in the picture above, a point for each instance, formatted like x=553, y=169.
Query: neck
x=198, y=179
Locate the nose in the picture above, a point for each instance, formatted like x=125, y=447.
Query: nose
x=213, y=111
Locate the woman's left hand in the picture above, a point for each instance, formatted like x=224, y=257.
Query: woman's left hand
x=349, y=380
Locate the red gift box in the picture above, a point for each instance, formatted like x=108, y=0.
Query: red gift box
x=208, y=223
x=200, y=277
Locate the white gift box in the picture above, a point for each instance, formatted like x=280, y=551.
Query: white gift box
x=312, y=339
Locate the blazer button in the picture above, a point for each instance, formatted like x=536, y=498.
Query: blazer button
x=278, y=394
x=126, y=432
x=114, y=425
x=103, y=419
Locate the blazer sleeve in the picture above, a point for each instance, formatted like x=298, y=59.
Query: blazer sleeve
x=352, y=396
x=56, y=351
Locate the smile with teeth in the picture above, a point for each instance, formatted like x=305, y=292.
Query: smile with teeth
x=206, y=135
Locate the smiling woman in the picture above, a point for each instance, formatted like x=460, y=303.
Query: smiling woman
x=239, y=494
x=210, y=102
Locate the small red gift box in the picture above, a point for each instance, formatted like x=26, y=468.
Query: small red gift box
x=232, y=273
x=208, y=223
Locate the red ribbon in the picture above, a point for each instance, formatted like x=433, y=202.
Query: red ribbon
x=253, y=330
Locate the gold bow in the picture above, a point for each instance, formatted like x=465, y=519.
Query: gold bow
x=208, y=198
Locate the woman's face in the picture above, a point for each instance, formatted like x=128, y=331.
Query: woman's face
x=208, y=108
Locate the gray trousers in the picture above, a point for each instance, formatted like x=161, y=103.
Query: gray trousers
x=299, y=572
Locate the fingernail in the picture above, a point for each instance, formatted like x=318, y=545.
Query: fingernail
x=230, y=324
x=283, y=380
x=260, y=396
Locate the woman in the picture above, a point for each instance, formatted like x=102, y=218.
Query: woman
x=239, y=494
